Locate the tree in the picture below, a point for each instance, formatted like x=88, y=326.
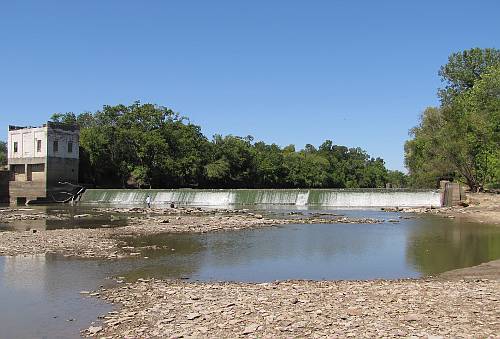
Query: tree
x=460, y=139
x=305, y=170
x=397, y=179
x=3, y=153
x=464, y=69
x=424, y=158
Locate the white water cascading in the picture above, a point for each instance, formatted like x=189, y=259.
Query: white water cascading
x=312, y=197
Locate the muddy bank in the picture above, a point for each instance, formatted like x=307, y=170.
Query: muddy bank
x=489, y=270
x=479, y=207
x=108, y=242
x=422, y=308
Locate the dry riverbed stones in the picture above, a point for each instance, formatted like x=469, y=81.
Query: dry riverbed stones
x=422, y=308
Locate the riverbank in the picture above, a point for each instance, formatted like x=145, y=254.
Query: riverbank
x=110, y=243
x=478, y=207
x=444, y=306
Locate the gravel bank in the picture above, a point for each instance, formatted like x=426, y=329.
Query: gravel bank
x=479, y=207
x=422, y=308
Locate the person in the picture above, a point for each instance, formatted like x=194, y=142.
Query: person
x=148, y=201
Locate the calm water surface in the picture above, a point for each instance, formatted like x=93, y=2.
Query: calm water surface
x=40, y=294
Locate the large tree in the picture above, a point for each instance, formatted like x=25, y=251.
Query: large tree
x=464, y=69
x=461, y=137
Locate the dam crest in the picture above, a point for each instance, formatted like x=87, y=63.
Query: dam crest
x=295, y=197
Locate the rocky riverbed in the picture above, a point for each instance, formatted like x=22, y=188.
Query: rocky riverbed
x=478, y=207
x=422, y=308
x=108, y=242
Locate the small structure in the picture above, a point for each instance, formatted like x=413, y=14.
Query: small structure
x=453, y=193
x=41, y=161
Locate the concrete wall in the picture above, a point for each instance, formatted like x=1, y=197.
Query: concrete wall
x=30, y=190
x=63, y=139
x=61, y=170
x=4, y=186
x=27, y=142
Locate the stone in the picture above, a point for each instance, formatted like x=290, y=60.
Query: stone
x=250, y=328
x=92, y=330
x=192, y=316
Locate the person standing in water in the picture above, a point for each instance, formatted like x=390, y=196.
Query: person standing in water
x=148, y=201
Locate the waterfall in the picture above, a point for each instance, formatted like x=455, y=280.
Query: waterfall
x=312, y=197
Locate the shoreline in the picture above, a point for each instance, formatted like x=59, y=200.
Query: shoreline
x=369, y=308
x=478, y=207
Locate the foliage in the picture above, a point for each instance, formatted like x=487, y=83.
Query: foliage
x=3, y=153
x=144, y=145
x=464, y=69
x=461, y=138
x=397, y=179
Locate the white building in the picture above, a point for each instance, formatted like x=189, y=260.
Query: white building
x=40, y=158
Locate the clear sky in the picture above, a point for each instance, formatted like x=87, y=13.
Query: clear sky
x=356, y=72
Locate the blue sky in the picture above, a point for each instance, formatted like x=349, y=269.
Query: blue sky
x=289, y=72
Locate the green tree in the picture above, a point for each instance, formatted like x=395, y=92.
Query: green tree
x=397, y=179
x=460, y=138
x=237, y=154
x=305, y=169
x=424, y=157
x=3, y=153
x=270, y=171
x=464, y=69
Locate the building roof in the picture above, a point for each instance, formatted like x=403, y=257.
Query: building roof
x=49, y=124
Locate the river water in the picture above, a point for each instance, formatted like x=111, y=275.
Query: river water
x=40, y=295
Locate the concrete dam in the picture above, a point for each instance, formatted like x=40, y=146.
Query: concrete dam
x=294, y=197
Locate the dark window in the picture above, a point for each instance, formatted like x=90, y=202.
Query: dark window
x=15, y=146
x=70, y=147
x=39, y=145
x=56, y=146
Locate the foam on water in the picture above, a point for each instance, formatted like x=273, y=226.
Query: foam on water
x=312, y=197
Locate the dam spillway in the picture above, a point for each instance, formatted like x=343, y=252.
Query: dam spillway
x=295, y=197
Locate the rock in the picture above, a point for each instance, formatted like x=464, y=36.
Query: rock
x=250, y=328
x=92, y=330
x=413, y=317
x=192, y=316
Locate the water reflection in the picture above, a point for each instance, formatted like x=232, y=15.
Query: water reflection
x=64, y=216
x=410, y=248
x=437, y=245
x=39, y=296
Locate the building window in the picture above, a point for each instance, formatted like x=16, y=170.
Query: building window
x=15, y=146
x=56, y=146
x=39, y=145
x=70, y=147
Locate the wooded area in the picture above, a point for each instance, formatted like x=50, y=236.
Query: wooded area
x=145, y=145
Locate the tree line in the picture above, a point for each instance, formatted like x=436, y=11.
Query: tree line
x=146, y=145
x=460, y=139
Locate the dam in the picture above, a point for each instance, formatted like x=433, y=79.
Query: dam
x=292, y=197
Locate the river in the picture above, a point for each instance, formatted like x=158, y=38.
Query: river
x=41, y=294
